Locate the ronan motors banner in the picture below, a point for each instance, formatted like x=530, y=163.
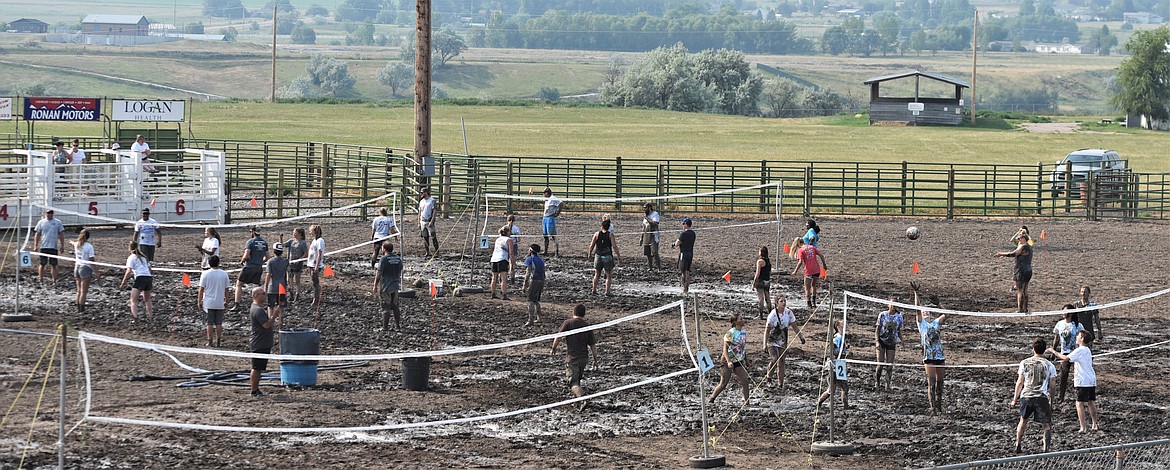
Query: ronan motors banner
x=5, y=108
x=148, y=110
x=62, y=109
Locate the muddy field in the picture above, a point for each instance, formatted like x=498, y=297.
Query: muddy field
x=653, y=426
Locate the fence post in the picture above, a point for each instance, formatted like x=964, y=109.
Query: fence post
x=904, y=180
x=659, y=182
x=806, y=210
x=280, y=193
x=763, y=181
x=326, y=182
x=445, y=196
x=227, y=195
x=365, y=190
x=617, y=205
x=951, y=193
x=1090, y=196
x=1039, y=188
x=1068, y=187
x=511, y=184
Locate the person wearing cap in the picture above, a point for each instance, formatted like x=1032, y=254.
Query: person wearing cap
x=650, y=236
x=1022, y=269
x=142, y=149
x=49, y=238
x=387, y=283
x=533, y=282
x=255, y=254
x=552, y=210
x=148, y=233
x=60, y=156
x=214, y=286
x=384, y=227
x=686, y=253
x=426, y=220
x=276, y=279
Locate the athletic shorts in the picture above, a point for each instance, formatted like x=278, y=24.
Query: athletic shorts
x=296, y=267
x=812, y=277
x=275, y=299
x=684, y=262
x=775, y=352
x=388, y=298
x=500, y=266
x=47, y=260
x=258, y=363
x=884, y=347
x=549, y=224
x=535, y=288
x=735, y=365
x=213, y=317
x=576, y=369
x=251, y=274
x=147, y=251
x=143, y=283
x=83, y=272
x=603, y=262
x=1086, y=393
x=1036, y=408
x=934, y=362
x=1023, y=276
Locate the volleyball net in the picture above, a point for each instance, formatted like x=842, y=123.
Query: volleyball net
x=103, y=404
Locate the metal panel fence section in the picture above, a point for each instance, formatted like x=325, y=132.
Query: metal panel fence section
x=1140, y=455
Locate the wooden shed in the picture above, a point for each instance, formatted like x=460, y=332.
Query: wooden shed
x=916, y=110
x=29, y=25
x=116, y=25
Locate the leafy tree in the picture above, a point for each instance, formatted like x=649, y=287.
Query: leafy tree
x=729, y=76
x=1020, y=98
x=1143, y=80
x=835, y=40
x=781, y=98
x=1102, y=40
x=476, y=36
x=317, y=10
x=331, y=75
x=282, y=7
x=224, y=8
x=663, y=79
x=299, y=88
x=286, y=23
x=358, y=10
x=549, y=94
x=397, y=75
x=447, y=45
x=303, y=34
x=823, y=103
x=1027, y=8
x=361, y=36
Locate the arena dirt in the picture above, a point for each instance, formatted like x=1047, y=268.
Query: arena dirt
x=652, y=426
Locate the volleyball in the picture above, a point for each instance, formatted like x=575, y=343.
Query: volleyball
x=912, y=233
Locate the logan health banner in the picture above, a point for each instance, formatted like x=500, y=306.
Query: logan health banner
x=62, y=109
x=148, y=110
x=5, y=108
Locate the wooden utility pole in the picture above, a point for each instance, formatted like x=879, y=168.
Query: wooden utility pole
x=422, y=86
x=272, y=99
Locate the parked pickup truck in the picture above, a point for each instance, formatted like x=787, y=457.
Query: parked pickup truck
x=1079, y=164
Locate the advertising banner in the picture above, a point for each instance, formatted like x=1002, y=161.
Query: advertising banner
x=5, y=108
x=62, y=109
x=148, y=110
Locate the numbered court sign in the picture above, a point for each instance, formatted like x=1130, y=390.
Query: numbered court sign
x=25, y=259
x=704, y=359
x=484, y=242
x=839, y=369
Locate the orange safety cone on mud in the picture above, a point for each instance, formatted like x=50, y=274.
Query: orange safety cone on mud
x=186, y=279
x=915, y=268
x=328, y=271
x=727, y=277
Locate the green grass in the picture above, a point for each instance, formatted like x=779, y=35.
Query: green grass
x=650, y=134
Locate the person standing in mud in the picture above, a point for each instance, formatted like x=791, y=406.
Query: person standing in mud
x=1022, y=269
x=776, y=339
x=316, y=263
x=650, y=236
x=387, y=282
x=732, y=360
x=552, y=210
x=933, y=359
x=501, y=262
x=426, y=220
x=383, y=227
x=837, y=350
x=806, y=257
x=605, y=253
x=1088, y=317
x=890, y=330
x=762, y=282
x=1032, y=394
x=298, y=249
x=534, y=274
x=1064, y=339
x=686, y=254
x=813, y=235
x=263, y=326
x=515, y=255
x=1085, y=380
x=579, y=347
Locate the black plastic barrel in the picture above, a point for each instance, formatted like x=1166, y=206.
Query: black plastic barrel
x=416, y=373
x=299, y=341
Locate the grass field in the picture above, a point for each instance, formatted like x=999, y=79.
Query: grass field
x=649, y=134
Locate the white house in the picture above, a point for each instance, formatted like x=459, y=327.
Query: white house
x=1059, y=48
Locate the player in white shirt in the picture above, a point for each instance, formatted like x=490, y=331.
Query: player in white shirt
x=426, y=219
x=384, y=228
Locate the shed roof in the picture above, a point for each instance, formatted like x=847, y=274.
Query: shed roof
x=912, y=73
x=115, y=19
x=30, y=21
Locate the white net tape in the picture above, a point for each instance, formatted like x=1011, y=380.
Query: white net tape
x=83, y=336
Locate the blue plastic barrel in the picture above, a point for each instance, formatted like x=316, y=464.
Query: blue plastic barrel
x=299, y=341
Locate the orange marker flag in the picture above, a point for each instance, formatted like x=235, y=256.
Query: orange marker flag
x=282, y=291
x=727, y=277
x=186, y=279
x=786, y=248
x=328, y=271
x=915, y=269
x=1043, y=235
x=434, y=290
x=253, y=203
x=824, y=273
